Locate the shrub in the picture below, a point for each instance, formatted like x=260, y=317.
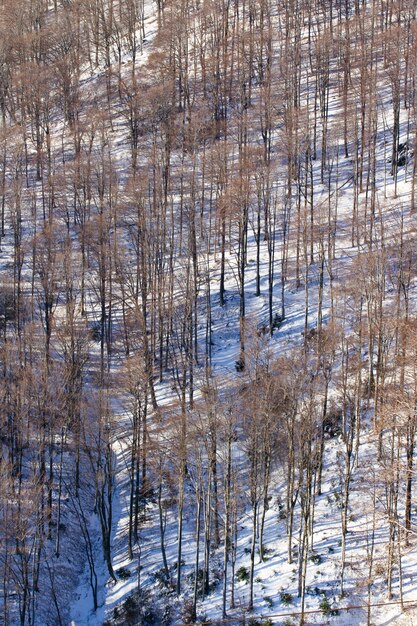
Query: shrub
x=379, y=569
x=277, y=321
x=332, y=423
x=95, y=331
x=316, y=558
x=130, y=606
x=138, y=609
x=161, y=577
x=285, y=597
x=242, y=574
x=202, y=588
x=187, y=612
x=200, y=580
x=325, y=606
x=240, y=365
x=282, y=512
x=124, y=573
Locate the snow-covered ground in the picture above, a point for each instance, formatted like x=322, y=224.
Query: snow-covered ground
x=276, y=580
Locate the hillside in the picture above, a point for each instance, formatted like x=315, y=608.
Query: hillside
x=208, y=312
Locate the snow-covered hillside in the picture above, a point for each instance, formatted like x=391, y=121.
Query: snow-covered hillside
x=208, y=312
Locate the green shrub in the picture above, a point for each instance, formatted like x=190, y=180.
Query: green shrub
x=242, y=574
x=325, y=606
x=285, y=597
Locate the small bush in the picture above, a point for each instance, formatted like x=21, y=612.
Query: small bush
x=332, y=423
x=282, y=512
x=285, y=598
x=379, y=569
x=242, y=574
x=130, y=605
x=277, y=321
x=200, y=580
x=316, y=558
x=187, y=612
x=161, y=577
x=124, y=573
x=95, y=331
x=138, y=609
x=240, y=365
x=325, y=606
x=268, y=601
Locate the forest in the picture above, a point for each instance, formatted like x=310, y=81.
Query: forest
x=208, y=312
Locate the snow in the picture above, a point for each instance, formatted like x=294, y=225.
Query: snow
x=274, y=576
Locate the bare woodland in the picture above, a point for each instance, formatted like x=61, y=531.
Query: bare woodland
x=165, y=167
